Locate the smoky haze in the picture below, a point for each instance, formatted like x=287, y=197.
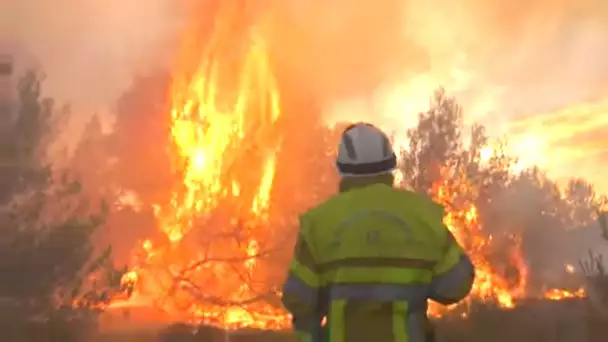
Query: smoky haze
x=527, y=56
x=344, y=49
x=504, y=59
x=506, y=62
x=90, y=50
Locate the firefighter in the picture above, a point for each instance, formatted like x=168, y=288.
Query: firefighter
x=369, y=258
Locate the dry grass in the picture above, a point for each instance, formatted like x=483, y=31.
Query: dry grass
x=540, y=321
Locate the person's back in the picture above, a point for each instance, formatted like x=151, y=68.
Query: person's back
x=368, y=259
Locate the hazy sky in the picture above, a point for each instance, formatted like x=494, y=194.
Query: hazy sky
x=514, y=64
x=91, y=49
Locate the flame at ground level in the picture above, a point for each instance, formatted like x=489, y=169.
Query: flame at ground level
x=490, y=284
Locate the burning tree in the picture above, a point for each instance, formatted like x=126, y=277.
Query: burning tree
x=202, y=264
x=226, y=225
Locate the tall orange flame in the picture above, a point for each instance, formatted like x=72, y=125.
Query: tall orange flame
x=229, y=102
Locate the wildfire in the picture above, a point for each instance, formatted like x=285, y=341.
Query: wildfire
x=490, y=284
x=502, y=286
x=216, y=112
x=557, y=294
x=225, y=139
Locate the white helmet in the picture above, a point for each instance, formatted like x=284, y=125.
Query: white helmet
x=365, y=151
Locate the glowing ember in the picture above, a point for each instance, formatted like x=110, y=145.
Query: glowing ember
x=557, y=294
x=570, y=269
x=490, y=285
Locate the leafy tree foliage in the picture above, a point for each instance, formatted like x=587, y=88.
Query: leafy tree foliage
x=51, y=274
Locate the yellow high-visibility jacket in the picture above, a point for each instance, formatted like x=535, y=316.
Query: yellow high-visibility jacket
x=369, y=259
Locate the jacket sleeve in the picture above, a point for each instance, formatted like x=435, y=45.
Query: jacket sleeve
x=453, y=276
x=301, y=290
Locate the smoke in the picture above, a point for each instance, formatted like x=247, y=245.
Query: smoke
x=376, y=61
x=89, y=50
x=511, y=55
x=355, y=48
x=510, y=52
x=504, y=61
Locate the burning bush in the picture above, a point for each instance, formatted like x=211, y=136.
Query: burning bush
x=515, y=225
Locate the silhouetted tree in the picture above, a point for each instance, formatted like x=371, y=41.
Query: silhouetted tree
x=526, y=204
x=434, y=143
x=51, y=274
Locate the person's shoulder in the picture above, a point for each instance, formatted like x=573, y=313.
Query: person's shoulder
x=322, y=206
x=336, y=203
x=409, y=197
x=310, y=218
x=407, y=192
